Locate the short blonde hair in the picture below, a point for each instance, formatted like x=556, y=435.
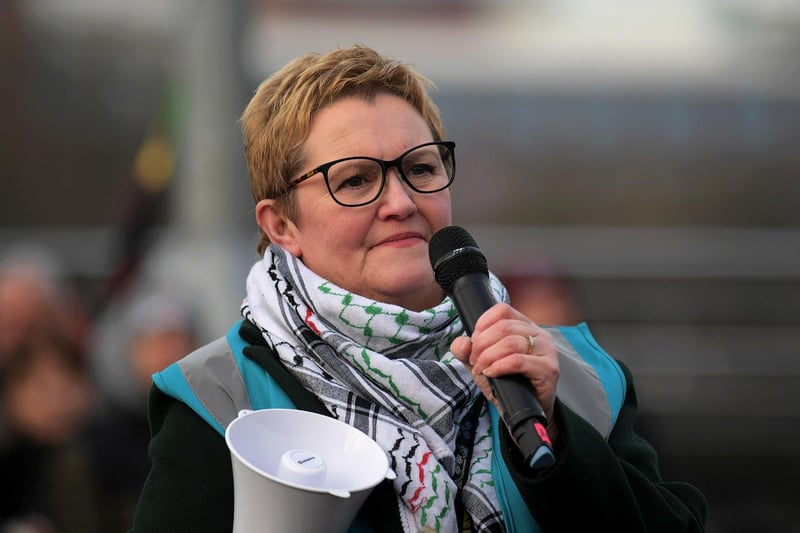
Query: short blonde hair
x=276, y=122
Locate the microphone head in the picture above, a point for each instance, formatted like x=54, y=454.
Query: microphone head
x=454, y=253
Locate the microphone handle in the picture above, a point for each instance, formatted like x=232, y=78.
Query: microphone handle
x=522, y=413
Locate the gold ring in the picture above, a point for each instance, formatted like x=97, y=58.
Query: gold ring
x=531, y=344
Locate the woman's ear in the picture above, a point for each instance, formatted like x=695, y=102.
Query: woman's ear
x=278, y=228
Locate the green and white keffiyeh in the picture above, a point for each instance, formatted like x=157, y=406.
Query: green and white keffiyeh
x=388, y=372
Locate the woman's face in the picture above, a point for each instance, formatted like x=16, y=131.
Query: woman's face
x=379, y=250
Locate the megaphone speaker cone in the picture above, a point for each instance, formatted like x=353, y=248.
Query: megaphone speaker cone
x=300, y=471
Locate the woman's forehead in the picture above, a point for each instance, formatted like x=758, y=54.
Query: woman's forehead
x=384, y=127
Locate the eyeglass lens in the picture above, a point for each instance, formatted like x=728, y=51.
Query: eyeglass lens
x=357, y=181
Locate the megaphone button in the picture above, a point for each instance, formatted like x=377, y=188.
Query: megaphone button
x=305, y=459
x=301, y=466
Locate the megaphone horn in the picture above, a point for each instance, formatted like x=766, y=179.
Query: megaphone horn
x=297, y=471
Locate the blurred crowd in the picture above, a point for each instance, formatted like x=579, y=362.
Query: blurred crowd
x=73, y=393
x=74, y=380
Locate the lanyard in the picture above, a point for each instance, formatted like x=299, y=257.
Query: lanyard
x=463, y=456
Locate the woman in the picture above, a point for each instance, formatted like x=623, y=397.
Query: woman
x=350, y=172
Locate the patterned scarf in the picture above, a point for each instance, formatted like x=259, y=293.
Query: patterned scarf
x=388, y=372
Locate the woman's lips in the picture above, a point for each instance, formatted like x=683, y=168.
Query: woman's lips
x=402, y=239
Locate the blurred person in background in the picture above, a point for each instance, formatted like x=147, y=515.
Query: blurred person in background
x=350, y=171
x=36, y=297
x=45, y=389
x=542, y=290
x=46, y=402
x=157, y=329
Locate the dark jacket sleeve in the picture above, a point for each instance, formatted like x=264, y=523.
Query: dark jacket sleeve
x=190, y=485
x=612, y=485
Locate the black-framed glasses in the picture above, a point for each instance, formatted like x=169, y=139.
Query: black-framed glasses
x=357, y=181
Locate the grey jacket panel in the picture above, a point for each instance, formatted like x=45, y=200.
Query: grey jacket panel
x=580, y=388
x=215, y=378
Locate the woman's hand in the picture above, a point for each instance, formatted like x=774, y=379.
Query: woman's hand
x=500, y=346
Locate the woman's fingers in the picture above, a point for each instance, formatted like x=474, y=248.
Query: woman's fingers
x=505, y=342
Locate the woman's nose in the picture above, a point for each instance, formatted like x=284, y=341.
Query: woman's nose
x=396, y=192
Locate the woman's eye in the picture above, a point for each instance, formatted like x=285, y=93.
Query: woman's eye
x=420, y=170
x=353, y=174
x=354, y=182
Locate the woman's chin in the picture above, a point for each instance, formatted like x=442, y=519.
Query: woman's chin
x=413, y=293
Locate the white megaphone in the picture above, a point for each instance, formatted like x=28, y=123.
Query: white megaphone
x=297, y=471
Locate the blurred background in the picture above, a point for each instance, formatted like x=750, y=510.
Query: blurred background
x=631, y=164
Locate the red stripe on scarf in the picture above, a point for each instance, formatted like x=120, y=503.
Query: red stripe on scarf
x=310, y=323
x=417, y=493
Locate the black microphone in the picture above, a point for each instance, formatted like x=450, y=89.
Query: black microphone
x=461, y=270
